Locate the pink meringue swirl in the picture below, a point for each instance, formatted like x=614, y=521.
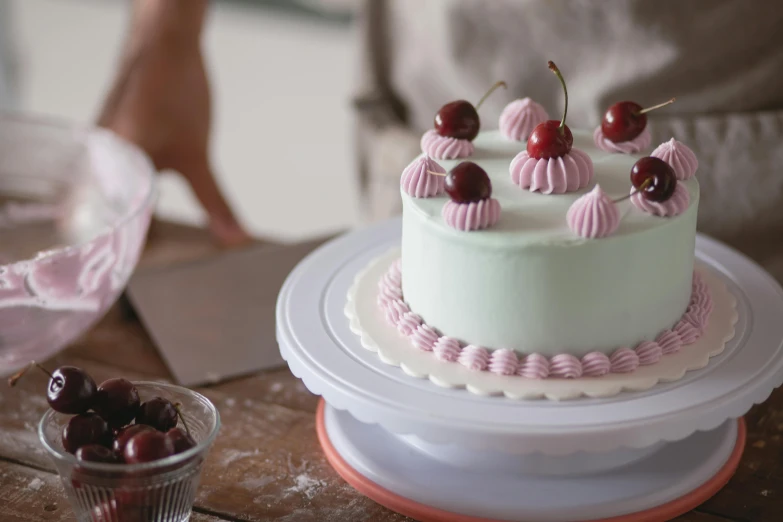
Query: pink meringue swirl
x=395, y=309
x=638, y=144
x=393, y=277
x=679, y=156
x=554, y=175
x=444, y=147
x=699, y=312
x=697, y=316
x=565, y=365
x=669, y=342
x=474, y=358
x=503, y=362
x=446, y=349
x=417, y=181
x=533, y=366
x=408, y=323
x=687, y=332
x=595, y=364
x=476, y=215
x=389, y=293
x=520, y=117
x=649, y=352
x=674, y=206
x=536, y=366
x=593, y=215
x=624, y=360
x=424, y=338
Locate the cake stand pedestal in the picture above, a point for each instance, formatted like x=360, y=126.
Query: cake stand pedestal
x=441, y=454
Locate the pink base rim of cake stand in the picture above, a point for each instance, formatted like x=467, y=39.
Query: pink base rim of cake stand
x=426, y=513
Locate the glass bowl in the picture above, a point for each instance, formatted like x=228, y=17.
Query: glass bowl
x=159, y=491
x=75, y=206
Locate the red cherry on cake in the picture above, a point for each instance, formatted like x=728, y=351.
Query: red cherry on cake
x=654, y=178
x=459, y=119
x=552, y=138
x=626, y=120
x=549, y=140
x=467, y=182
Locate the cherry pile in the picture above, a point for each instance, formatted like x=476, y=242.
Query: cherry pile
x=110, y=424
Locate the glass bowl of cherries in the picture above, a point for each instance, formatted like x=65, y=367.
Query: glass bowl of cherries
x=126, y=451
x=75, y=205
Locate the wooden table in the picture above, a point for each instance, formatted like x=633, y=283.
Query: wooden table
x=266, y=464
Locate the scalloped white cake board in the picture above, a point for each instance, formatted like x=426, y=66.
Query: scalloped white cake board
x=377, y=335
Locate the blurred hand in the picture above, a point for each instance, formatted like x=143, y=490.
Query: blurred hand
x=160, y=100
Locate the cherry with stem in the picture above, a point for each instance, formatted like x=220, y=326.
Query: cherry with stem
x=664, y=104
x=459, y=119
x=636, y=190
x=554, y=69
x=18, y=375
x=70, y=390
x=552, y=138
x=492, y=89
x=626, y=120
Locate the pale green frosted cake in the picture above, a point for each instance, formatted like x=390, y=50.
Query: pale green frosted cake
x=529, y=283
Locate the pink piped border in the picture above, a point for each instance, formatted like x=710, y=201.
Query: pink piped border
x=536, y=366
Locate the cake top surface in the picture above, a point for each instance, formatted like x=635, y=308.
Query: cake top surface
x=532, y=218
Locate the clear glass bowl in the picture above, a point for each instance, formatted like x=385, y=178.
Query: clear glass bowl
x=160, y=491
x=75, y=206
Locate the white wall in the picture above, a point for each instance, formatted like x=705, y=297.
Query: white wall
x=282, y=114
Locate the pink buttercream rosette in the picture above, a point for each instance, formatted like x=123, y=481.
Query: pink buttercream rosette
x=679, y=156
x=417, y=181
x=567, y=173
x=674, y=206
x=593, y=215
x=476, y=215
x=445, y=147
x=520, y=117
x=638, y=144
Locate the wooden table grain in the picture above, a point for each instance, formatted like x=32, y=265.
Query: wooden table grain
x=266, y=463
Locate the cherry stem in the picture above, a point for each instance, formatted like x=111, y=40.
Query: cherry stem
x=490, y=91
x=18, y=375
x=559, y=75
x=664, y=104
x=644, y=185
x=177, y=407
x=442, y=174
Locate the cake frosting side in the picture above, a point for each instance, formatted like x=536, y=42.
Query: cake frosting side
x=529, y=283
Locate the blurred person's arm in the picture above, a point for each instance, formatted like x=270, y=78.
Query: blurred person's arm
x=385, y=142
x=160, y=100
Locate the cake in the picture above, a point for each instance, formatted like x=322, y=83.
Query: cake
x=537, y=251
x=531, y=284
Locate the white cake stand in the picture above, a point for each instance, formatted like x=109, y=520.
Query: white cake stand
x=441, y=454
